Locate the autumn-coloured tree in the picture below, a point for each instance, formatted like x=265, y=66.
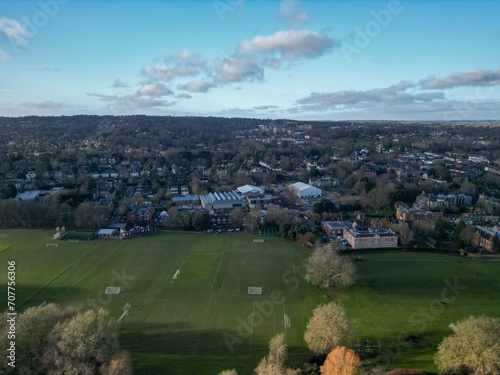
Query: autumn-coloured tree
x=306, y=239
x=384, y=222
x=341, y=361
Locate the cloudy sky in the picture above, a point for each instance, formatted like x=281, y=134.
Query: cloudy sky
x=324, y=59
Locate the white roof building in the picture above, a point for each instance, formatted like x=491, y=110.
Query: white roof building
x=223, y=200
x=305, y=190
x=250, y=189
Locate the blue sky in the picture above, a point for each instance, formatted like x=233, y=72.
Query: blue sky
x=325, y=59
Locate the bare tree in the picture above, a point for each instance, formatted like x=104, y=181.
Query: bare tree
x=272, y=364
x=278, y=350
x=467, y=235
x=237, y=216
x=228, y=372
x=475, y=346
x=119, y=364
x=328, y=327
x=174, y=218
x=89, y=215
x=56, y=340
x=423, y=228
x=268, y=367
x=34, y=328
x=253, y=221
x=123, y=206
x=404, y=232
x=84, y=342
x=289, y=196
x=327, y=268
x=378, y=197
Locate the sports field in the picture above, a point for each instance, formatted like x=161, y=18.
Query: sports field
x=205, y=321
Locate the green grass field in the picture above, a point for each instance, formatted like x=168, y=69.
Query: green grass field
x=205, y=321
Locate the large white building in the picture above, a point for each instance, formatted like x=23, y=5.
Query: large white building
x=304, y=190
x=223, y=200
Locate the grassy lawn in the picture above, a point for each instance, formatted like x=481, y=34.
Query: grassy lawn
x=205, y=321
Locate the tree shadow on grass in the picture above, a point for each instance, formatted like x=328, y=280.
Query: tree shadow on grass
x=183, y=348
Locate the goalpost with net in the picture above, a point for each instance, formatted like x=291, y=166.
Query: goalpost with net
x=113, y=290
x=254, y=290
x=268, y=232
x=286, y=321
x=126, y=309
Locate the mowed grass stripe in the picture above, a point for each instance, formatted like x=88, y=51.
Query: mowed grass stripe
x=163, y=330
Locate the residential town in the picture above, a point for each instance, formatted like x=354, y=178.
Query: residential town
x=365, y=184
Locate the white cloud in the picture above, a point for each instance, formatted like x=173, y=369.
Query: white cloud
x=292, y=12
x=162, y=72
x=14, y=30
x=237, y=69
x=119, y=83
x=131, y=102
x=46, y=69
x=154, y=89
x=393, y=95
x=247, y=63
x=44, y=105
x=475, y=77
x=290, y=44
x=265, y=107
x=4, y=56
x=197, y=86
x=185, y=55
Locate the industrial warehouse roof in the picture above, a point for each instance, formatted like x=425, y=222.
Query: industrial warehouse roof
x=230, y=196
x=250, y=189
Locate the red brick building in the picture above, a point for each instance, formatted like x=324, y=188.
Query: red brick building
x=411, y=214
x=485, y=238
x=371, y=238
x=333, y=228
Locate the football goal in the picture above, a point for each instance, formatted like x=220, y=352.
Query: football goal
x=260, y=240
x=113, y=290
x=51, y=244
x=254, y=290
x=287, y=322
x=126, y=309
